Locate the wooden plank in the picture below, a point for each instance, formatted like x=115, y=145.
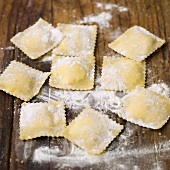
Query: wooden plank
x=143, y=148
x=22, y=152
x=6, y=114
x=6, y=101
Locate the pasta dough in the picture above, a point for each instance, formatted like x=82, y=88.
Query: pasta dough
x=22, y=81
x=79, y=41
x=76, y=73
x=38, y=39
x=92, y=131
x=42, y=119
x=145, y=108
x=122, y=74
x=136, y=43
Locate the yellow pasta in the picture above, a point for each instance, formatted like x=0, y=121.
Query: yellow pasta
x=122, y=74
x=22, y=81
x=92, y=131
x=42, y=119
x=38, y=39
x=136, y=43
x=79, y=41
x=145, y=108
x=74, y=73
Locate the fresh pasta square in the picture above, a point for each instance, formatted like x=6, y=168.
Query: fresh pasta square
x=72, y=73
x=122, y=74
x=136, y=43
x=42, y=119
x=92, y=131
x=145, y=108
x=38, y=39
x=22, y=81
x=79, y=40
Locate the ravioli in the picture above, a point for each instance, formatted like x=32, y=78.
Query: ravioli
x=92, y=131
x=73, y=73
x=136, y=43
x=42, y=119
x=122, y=74
x=38, y=39
x=22, y=81
x=145, y=108
x=79, y=40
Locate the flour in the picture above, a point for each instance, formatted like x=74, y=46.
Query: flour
x=47, y=57
x=101, y=19
x=114, y=34
x=45, y=154
x=76, y=156
x=78, y=100
x=113, y=157
x=27, y=149
x=8, y=48
x=108, y=6
x=161, y=88
x=99, y=99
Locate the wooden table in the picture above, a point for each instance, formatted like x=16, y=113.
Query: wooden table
x=143, y=148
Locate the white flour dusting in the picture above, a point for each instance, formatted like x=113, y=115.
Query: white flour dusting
x=101, y=19
x=114, y=34
x=78, y=100
x=8, y=48
x=112, y=157
x=99, y=99
x=27, y=149
x=161, y=88
x=99, y=4
x=108, y=6
x=47, y=57
x=77, y=155
x=44, y=153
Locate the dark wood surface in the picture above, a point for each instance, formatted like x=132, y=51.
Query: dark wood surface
x=17, y=15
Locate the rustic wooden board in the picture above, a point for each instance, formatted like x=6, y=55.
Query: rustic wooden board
x=146, y=149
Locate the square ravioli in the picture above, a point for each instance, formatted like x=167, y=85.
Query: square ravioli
x=22, y=81
x=38, y=39
x=136, y=43
x=42, y=119
x=92, y=131
x=145, y=108
x=72, y=73
x=80, y=40
x=122, y=74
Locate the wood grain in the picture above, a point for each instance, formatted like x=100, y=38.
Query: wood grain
x=17, y=15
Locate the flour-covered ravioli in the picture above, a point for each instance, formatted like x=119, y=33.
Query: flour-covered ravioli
x=38, y=39
x=122, y=74
x=22, y=81
x=74, y=73
x=92, y=131
x=42, y=119
x=79, y=40
x=145, y=108
x=136, y=43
